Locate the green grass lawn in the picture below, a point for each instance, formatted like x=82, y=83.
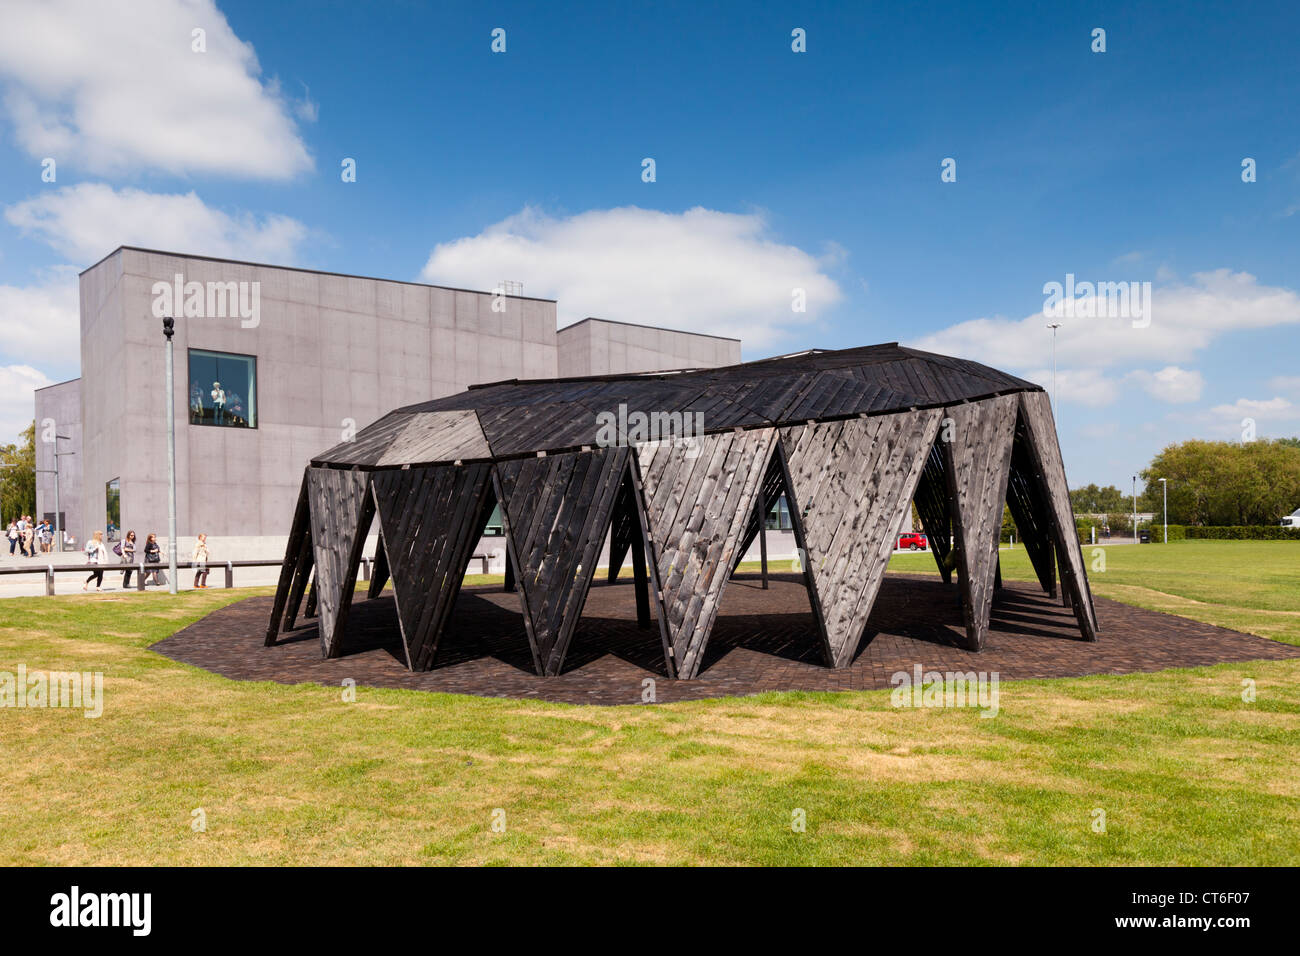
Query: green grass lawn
x=1185, y=770
x=1251, y=586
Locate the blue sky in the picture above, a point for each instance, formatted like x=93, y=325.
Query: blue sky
x=773, y=169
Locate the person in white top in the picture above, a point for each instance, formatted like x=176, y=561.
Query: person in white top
x=218, y=404
x=200, y=559
x=96, y=554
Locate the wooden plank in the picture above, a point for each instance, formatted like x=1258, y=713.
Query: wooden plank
x=380, y=574
x=302, y=577
x=935, y=509
x=801, y=542
x=652, y=561
x=557, y=536
x=853, y=481
x=430, y=437
x=773, y=488
x=430, y=519
x=1030, y=511
x=978, y=459
x=1049, y=472
x=369, y=443
x=340, y=517
x=293, y=561
x=698, y=500
x=622, y=529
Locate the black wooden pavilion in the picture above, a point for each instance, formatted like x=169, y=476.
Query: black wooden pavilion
x=851, y=437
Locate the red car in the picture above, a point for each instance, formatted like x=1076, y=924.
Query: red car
x=912, y=541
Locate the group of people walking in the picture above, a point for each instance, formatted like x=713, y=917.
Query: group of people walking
x=30, y=538
x=97, y=556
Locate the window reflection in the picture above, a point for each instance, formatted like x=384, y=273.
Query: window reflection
x=223, y=389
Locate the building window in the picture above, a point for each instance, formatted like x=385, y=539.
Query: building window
x=223, y=389
x=113, y=509
x=778, y=516
x=494, y=529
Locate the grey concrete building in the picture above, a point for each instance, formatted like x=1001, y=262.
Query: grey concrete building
x=603, y=347
x=58, y=413
x=272, y=364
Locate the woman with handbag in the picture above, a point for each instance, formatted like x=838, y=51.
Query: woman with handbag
x=128, y=557
x=152, y=555
x=96, y=554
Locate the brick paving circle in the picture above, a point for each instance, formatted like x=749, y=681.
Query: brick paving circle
x=762, y=641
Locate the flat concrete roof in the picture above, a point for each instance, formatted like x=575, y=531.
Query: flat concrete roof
x=67, y=381
x=657, y=328
x=319, y=272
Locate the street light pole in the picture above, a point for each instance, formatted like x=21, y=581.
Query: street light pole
x=58, y=516
x=1135, y=509
x=1164, y=494
x=169, y=329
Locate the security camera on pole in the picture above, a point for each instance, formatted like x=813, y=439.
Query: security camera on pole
x=169, y=329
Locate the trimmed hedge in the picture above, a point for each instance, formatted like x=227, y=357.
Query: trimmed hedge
x=1265, y=532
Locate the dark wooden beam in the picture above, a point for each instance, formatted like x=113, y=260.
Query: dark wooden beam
x=853, y=481
x=651, y=554
x=302, y=577
x=379, y=576
x=341, y=511
x=978, y=460
x=292, y=558
x=430, y=519
x=698, y=499
x=935, y=510
x=560, y=508
x=637, y=545
x=773, y=488
x=622, y=531
x=1049, y=470
x=1030, y=510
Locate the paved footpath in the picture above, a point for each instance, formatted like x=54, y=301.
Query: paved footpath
x=70, y=582
x=763, y=640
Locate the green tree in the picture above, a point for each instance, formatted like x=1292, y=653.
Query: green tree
x=18, y=478
x=1225, y=483
x=1092, y=499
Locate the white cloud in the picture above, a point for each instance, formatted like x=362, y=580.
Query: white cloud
x=90, y=220
x=700, y=270
x=1185, y=319
x=40, y=324
x=1289, y=384
x=1272, y=417
x=1171, y=384
x=116, y=88
x=18, y=384
x=1272, y=407
x=1081, y=386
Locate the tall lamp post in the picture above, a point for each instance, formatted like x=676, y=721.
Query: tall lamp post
x=1164, y=494
x=1135, y=509
x=1054, y=326
x=169, y=329
x=58, y=517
